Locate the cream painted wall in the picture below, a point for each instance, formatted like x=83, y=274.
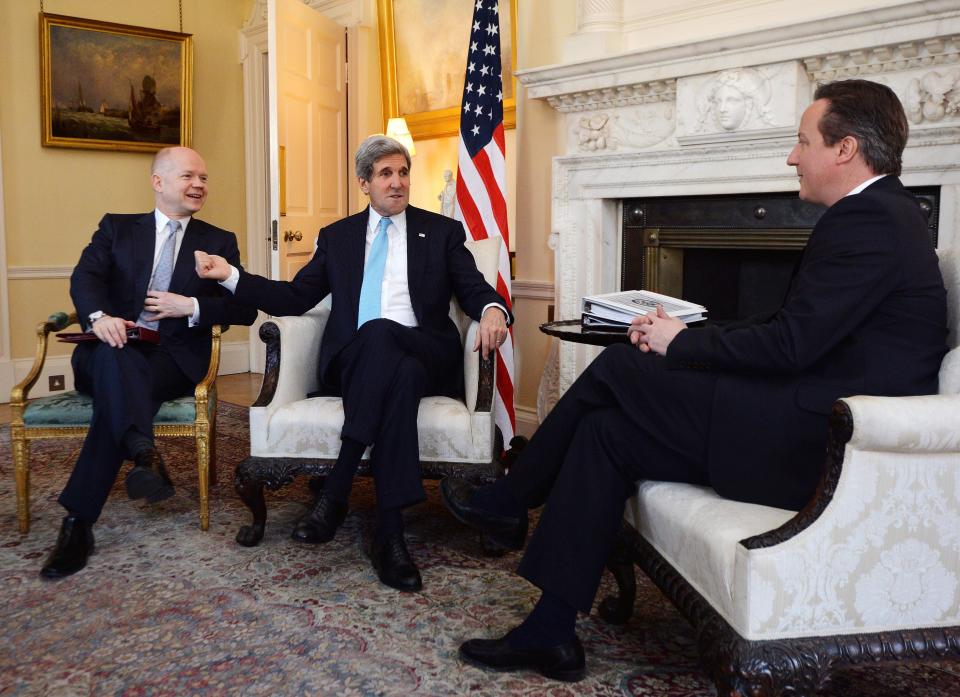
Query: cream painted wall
x=54, y=197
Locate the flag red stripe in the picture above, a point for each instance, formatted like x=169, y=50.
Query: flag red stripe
x=471, y=215
x=497, y=202
x=498, y=138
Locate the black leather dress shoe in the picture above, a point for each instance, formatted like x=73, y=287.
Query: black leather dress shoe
x=564, y=662
x=149, y=479
x=74, y=545
x=321, y=523
x=506, y=531
x=394, y=566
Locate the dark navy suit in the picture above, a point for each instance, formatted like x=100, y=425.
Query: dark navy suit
x=741, y=408
x=128, y=385
x=383, y=369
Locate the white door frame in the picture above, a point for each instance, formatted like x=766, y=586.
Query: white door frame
x=7, y=377
x=253, y=59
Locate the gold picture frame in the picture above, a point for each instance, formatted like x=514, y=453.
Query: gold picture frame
x=138, y=85
x=427, y=119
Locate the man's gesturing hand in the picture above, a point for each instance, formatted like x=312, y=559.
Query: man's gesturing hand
x=112, y=330
x=493, y=331
x=211, y=266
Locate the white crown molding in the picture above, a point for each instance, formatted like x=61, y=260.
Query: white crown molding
x=596, y=83
x=30, y=273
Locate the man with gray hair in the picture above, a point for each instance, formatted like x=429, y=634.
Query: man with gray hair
x=389, y=341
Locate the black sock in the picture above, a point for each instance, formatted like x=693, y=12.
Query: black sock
x=498, y=499
x=389, y=522
x=340, y=480
x=551, y=622
x=135, y=442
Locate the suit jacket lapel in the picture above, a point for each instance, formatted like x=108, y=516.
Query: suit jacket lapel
x=183, y=269
x=418, y=234
x=356, y=251
x=144, y=243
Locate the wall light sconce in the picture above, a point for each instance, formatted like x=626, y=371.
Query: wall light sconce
x=397, y=129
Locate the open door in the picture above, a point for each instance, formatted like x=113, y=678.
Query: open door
x=307, y=130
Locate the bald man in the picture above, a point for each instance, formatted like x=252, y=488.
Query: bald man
x=138, y=270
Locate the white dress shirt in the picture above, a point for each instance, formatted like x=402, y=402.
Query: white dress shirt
x=864, y=185
x=161, y=222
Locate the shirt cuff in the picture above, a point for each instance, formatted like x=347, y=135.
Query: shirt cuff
x=194, y=319
x=506, y=315
x=230, y=282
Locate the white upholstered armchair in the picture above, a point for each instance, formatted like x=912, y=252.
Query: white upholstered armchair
x=868, y=571
x=293, y=434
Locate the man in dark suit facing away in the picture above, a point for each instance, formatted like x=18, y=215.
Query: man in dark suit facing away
x=390, y=271
x=138, y=270
x=741, y=408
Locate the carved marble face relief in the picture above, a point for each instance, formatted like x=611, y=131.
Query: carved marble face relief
x=729, y=107
x=733, y=100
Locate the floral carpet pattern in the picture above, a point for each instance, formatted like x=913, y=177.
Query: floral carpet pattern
x=165, y=609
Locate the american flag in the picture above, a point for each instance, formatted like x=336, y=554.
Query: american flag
x=481, y=202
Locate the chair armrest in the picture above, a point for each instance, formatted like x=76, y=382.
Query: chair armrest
x=295, y=376
x=927, y=425
x=207, y=387
x=56, y=322
x=479, y=375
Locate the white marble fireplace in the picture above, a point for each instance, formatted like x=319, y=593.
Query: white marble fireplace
x=720, y=116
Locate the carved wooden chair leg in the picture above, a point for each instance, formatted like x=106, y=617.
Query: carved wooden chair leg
x=250, y=491
x=617, y=609
x=203, y=473
x=762, y=668
x=21, y=473
x=212, y=440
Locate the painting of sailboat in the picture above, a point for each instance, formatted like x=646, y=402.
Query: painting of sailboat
x=112, y=86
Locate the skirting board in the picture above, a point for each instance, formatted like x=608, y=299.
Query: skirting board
x=233, y=359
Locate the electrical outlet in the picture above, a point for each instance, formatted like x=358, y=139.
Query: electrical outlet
x=56, y=383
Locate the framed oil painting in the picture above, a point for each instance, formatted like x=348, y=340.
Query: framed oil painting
x=423, y=56
x=112, y=86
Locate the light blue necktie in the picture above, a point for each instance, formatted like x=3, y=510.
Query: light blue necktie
x=373, y=276
x=164, y=270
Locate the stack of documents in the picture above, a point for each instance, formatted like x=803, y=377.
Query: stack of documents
x=613, y=311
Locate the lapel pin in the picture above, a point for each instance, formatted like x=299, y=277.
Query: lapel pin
x=421, y=234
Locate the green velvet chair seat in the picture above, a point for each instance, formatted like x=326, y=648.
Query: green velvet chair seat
x=75, y=409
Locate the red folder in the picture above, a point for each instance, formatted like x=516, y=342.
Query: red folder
x=150, y=336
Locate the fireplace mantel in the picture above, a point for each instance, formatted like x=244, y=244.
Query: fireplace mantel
x=663, y=123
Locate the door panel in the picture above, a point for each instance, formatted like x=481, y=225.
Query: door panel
x=311, y=127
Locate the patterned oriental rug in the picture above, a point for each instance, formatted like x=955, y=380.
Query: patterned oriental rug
x=165, y=609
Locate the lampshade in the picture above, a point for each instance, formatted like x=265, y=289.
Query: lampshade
x=397, y=129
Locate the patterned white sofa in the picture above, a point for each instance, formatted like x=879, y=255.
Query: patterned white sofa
x=868, y=571
x=292, y=434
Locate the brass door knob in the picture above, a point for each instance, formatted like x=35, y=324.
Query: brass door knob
x=289, y=236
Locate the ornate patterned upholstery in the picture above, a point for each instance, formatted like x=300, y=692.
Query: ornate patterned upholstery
x=869, y=570
x=68, y=415
x=292, y=434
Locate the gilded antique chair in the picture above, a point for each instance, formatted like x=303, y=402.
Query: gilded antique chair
x=68, y=415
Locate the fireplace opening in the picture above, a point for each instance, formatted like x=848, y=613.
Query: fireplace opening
x=734, y=254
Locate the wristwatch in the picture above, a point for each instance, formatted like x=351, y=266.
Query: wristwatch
x=93, y=317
